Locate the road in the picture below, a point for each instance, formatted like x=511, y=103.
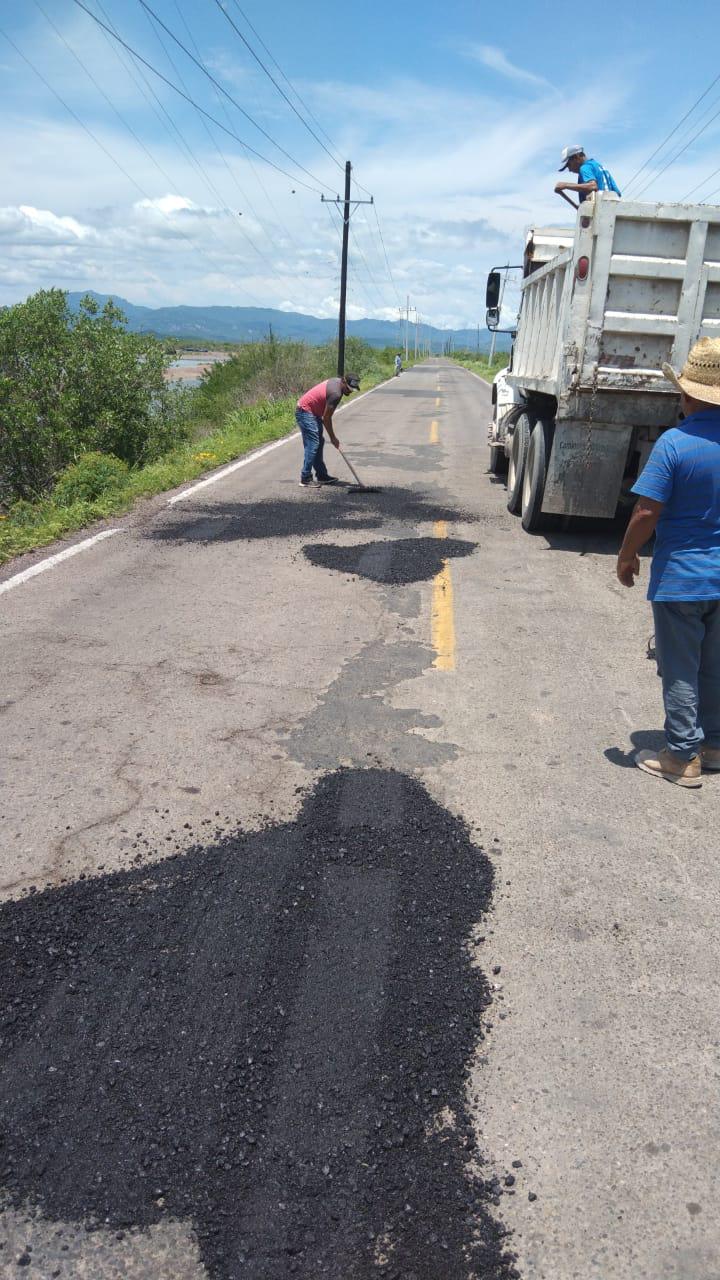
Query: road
x=340, y=935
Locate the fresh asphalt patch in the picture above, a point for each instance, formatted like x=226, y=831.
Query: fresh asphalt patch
x=315, y=511
x=268, y=1036
x=397, y=562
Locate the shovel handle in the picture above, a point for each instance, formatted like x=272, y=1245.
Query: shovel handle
x=566, y=197
x=349, y=463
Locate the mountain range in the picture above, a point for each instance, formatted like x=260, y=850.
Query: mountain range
x=251, y=324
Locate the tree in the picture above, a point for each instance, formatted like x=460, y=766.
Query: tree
x=72, y=383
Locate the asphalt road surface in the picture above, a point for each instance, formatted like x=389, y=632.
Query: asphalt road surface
x=339, y=935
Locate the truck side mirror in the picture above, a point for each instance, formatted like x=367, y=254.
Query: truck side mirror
x=492, y=292
x=492, y=318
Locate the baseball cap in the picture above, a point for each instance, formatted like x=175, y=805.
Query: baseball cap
x=568, y=153
x=353, y=381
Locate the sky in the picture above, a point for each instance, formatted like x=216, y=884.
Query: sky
x=453, y=117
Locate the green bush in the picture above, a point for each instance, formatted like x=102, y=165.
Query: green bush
x=77, y=383
x=87, y=479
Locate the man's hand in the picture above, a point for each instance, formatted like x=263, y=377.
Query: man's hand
x=628, y=569
x=333, y=438
x=564, y=186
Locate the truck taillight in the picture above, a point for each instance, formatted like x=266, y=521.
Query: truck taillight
x=582, y=270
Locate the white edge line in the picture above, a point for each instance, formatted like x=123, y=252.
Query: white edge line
x=35, y=569
x=485, y=381
x=234, y=466
x=259, y=453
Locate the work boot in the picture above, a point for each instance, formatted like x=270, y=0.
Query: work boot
x=327, y=480
x=710, y=757
x=305, y=484
x=665, y=764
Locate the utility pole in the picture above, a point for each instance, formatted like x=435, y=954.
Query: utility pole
x=407, y=324
x=417, y=322
x=344, y=261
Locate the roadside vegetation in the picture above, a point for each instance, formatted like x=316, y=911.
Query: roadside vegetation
x=479, y=362
x=88, y=424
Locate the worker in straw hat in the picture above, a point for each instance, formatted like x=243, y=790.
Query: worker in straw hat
x=679, y=501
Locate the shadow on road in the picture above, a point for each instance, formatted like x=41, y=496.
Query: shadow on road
x=642, y=740
x=585, y=537
x=268, y=1036
x=312, y=512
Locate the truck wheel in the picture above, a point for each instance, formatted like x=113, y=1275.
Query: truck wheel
x=516, y=465
x=533, y=488
x=498, y=461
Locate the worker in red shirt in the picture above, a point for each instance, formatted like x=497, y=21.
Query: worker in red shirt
x=313, y=413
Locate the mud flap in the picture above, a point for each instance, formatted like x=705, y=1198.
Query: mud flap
x=586, y=468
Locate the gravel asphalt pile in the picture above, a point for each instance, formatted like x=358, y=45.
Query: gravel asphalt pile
x=317, y=511
x=268, y=1036
x=395, y=562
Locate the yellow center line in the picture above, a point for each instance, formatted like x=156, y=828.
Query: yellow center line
x=437, y=402
x=434, y=433
x=443, y=618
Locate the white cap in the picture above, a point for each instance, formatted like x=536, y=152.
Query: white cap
x=568, y=153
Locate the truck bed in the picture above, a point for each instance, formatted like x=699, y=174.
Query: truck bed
x=652, y=288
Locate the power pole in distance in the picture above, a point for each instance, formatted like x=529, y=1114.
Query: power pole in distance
x=344, y=261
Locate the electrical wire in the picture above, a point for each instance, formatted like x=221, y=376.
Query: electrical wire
x=288, y=82
x=115, y=111
x=86, y=128
x=387, y=260
x=672, y=133
x=229, y=96
x=245, y=198
x=704, y=182
x=230, y=212
x=279, y=88
x=677, y=155
x=174, y=87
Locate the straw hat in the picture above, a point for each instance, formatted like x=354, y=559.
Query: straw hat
x=700, y=379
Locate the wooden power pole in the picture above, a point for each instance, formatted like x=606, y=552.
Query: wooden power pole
x=345, y=202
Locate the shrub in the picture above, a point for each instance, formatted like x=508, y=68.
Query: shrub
x=87, y=479
x=77, y=383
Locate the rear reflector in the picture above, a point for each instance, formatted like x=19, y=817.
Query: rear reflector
x=582, y=270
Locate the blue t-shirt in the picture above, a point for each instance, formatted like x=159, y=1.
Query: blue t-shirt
x=683, y=472
x=592, y=170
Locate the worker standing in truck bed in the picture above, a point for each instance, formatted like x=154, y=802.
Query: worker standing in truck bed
x=592, y=176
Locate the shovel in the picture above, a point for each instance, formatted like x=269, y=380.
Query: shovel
x=358, y=487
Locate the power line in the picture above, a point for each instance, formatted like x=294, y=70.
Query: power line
x=97, y=141
x=288, y=82
x=113, y=108
x=672, y=133
x=677, y=155
x=709, y=178
x=256, y=249
x=279, y=88
x=229, y=96
x=243, y=194
x=187, y=98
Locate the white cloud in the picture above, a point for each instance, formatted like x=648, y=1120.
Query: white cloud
x=496, y=60
x=453, y=201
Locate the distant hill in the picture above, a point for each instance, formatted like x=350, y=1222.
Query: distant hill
x=251, y=324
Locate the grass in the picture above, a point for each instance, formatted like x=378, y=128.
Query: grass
x=480, y=363
x=32, y=525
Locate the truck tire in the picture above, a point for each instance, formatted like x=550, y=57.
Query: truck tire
x=498, y=461
x=536, y=465
x=516, y=466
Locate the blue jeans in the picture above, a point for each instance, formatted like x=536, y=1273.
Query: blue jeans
x=687, y=644
x=311, y=430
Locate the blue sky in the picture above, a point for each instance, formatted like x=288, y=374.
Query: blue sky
x=453, y=116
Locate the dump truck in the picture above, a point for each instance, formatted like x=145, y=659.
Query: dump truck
x=602, y=305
